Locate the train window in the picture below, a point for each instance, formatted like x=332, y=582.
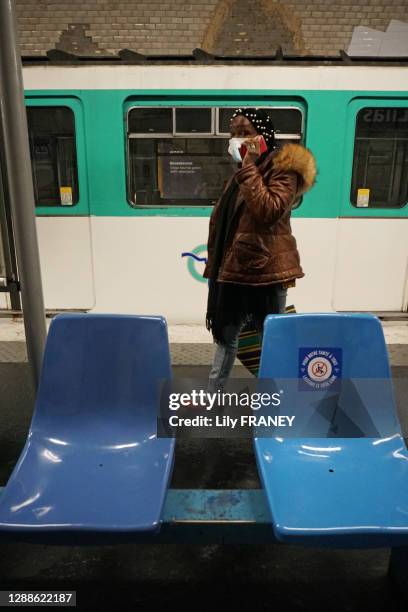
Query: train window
x=193, y=120
x=380, y=164
x=53, y=155
x=287, y=122
x=151, y=120
x=224, y=118
x=186, y=171
x=185, y=161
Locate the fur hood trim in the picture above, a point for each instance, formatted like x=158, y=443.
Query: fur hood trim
x=299, y=159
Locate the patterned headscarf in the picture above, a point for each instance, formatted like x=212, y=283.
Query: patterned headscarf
x=262, y=123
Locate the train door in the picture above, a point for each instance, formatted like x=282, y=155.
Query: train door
x=372, y=244
x=58, y=156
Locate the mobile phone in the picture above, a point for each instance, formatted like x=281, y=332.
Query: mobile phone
x=243, y=148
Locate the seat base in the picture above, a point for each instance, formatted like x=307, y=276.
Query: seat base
x=336, y=492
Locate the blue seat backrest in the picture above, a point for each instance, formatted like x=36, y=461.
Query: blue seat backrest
x=360, y=337
x=96, y=364
x=363, y=387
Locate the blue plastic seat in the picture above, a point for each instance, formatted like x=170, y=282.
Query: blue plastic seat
x=92, y=463
x=341, y=477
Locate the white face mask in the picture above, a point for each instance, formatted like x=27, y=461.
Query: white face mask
x=233, y=149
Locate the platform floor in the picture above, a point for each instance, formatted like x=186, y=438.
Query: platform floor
x=143, y=576
x=190, y=345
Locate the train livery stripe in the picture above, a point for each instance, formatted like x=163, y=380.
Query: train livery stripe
x=214, y=78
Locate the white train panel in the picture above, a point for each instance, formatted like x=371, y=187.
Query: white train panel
x=66, y=262
x=372, y=264
x=135, y=265
x=139, y=267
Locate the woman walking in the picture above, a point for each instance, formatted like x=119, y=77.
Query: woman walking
x=252, y=253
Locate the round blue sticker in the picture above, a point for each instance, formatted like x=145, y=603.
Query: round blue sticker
x=319, y=368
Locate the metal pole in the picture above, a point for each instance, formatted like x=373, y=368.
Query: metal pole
x=14, y=132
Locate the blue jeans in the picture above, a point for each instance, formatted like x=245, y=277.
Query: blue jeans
x=226, y=352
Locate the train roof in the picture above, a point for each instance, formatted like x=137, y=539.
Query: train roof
x=200, y=57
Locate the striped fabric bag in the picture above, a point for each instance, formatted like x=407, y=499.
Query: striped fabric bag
x=249, y=345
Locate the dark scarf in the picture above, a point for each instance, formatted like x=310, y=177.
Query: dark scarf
x=230, y=303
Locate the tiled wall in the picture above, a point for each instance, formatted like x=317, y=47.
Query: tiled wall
x=95, y=27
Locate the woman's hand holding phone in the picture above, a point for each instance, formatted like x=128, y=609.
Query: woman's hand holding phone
x=252, y=148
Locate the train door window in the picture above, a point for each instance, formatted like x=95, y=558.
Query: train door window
x=186, y=162
x=380, y=164
x=53, y=155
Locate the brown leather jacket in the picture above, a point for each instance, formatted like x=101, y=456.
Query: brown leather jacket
x=261, y=249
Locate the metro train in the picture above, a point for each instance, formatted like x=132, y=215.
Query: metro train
x=128, y=161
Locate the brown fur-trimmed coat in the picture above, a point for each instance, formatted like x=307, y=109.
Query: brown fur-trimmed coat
x=260, y=248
